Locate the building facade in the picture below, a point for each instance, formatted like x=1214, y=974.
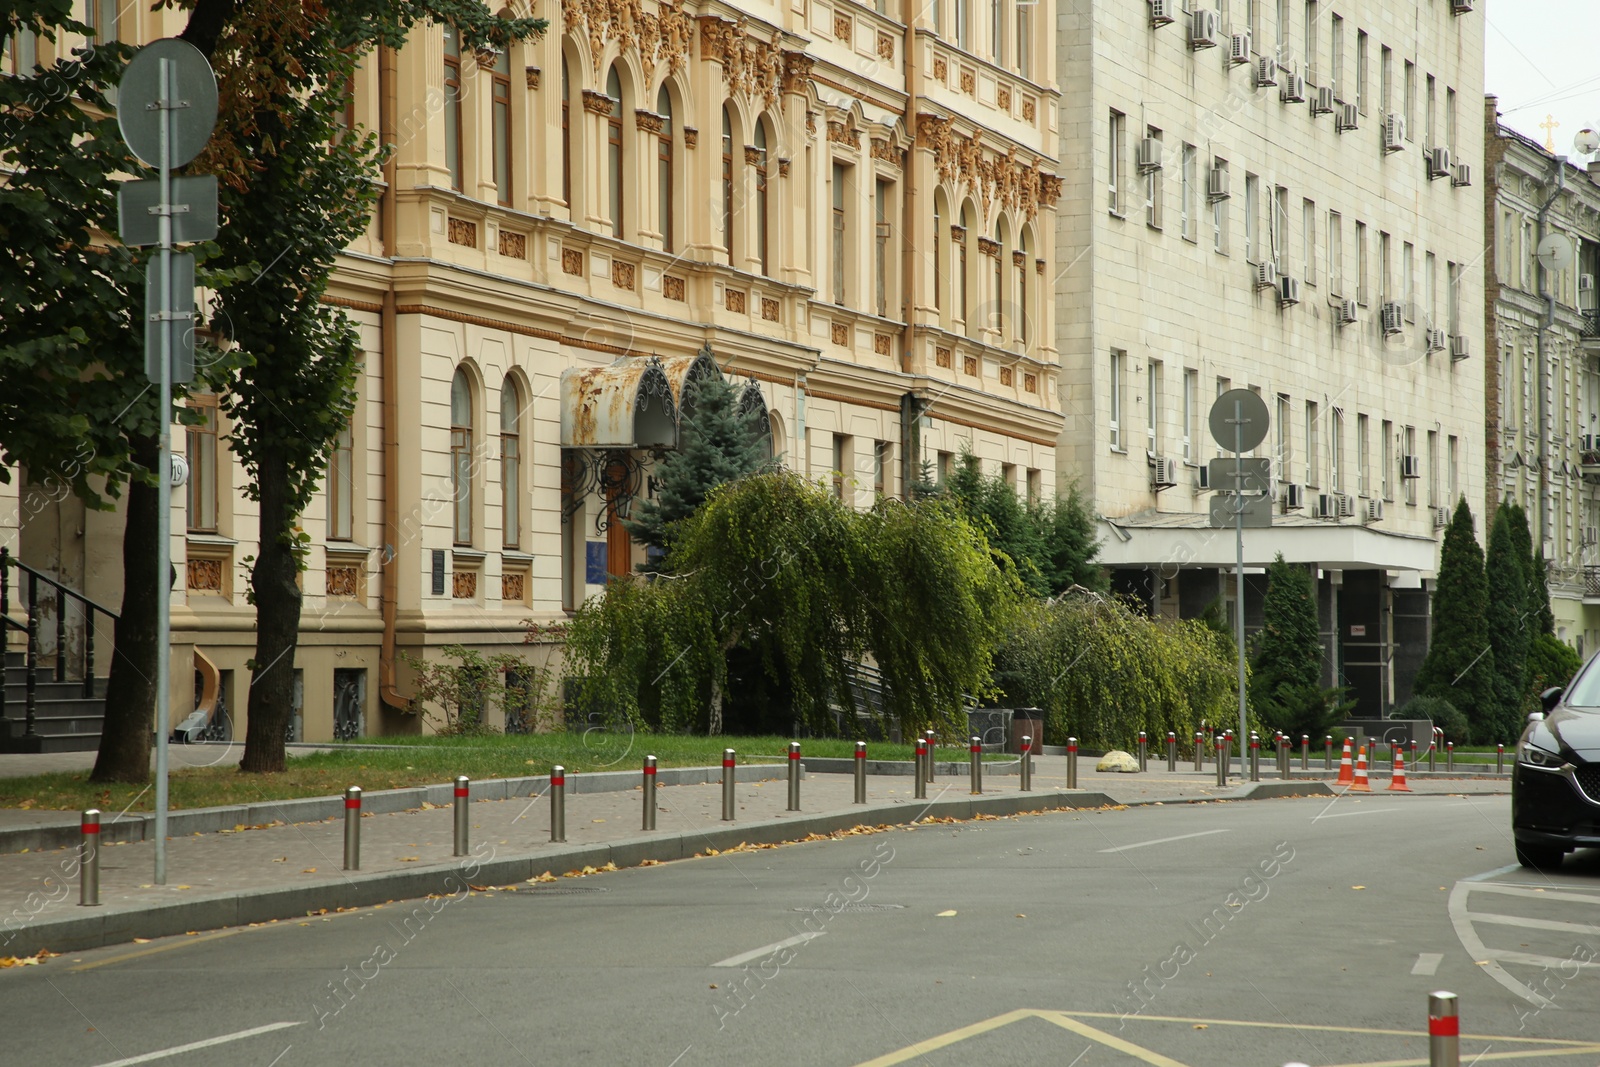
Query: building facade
x=1283, y=196
x=1543, y=384
x=848, y=208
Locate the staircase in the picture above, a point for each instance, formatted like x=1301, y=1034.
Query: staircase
x=42, y=709
x=64, y=719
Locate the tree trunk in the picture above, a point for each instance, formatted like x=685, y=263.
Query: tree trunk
x=131, y=691
x=277, y=601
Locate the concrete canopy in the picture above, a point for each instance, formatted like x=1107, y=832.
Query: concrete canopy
x=1175, y=541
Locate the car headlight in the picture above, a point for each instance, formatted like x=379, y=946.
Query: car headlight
x=1534, y=756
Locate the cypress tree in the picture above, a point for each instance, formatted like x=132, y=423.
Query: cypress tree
x=1460, y=663
x=1286, y=668
x=1511, y=626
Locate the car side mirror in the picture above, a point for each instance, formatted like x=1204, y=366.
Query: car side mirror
x=1550, y=698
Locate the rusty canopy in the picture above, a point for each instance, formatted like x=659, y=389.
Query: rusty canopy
x=629, y=404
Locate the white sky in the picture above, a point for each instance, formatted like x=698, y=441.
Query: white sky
x=1542, y=58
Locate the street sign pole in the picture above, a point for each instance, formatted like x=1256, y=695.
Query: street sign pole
x=1238, y=589
x=165, y=102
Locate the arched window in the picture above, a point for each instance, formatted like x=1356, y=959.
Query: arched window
x=614, y=150
x=566, y=135
x=452, y=104
x=960, y=241
x=998, y=295
x=727, y=181
x=511, y=462
x=501, y=77
x=1022, y=288
x=761, y=195
x=664, y=166
x=938, y=246
x=461, y=455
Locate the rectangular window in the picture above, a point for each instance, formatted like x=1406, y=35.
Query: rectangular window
x=1283, y=31
x=102, y=17
x=1433, y=468
x=1312, y=74
x=1430, y=288
x=880, y=247
x=1152, y=406
x=1385, y=284
x=1312, y=473
x=1428, y=139
x=1362, y=295
x=838, y=233
x=501, y=74
x=1388, y=460
x=1153, y=187
x=943, y=468
x=1308, y=239
x=614, y=170
x=1408, y=281
x=1410, y=450
x=341, y=486
x=1363, y=459
x=1025, y=38
x=1452, y=297
x=1336, y=451
x=1450, y=120
x=1190, y=221
x=202, y=455
x=1117, y=149
x=881, y=459
x=1191, y=412
x=843, y=461
x=511, y=473
x=1219, y=211
x=961, y=24
x=1252, y=219
x=1335, y=254
x=997, y=33
x=1385, y=81
x=1361, y=71
x=1410, y=98
x=452, y=105
x=1253, y=20
x=1035, y=485
x=1119, y=362
x=1336, y=70
x=1285, y=441
x=1280, y=227
x=1453, y=470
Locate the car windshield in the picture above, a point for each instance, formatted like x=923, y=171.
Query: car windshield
x=1584, y=691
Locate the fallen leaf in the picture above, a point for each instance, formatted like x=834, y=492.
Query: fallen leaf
x=1201, y=1026
x=183, y=887
x=1021, y=916
x=1358, y=887
x=408, y=859
x=141, y=941
x=309, y=870
x=946, y=914
x=649, y=863
x=281, y=859
x=713, y=985
x=597, y=820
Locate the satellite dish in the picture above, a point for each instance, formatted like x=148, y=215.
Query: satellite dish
x=1586, y=143
x=1555, y=252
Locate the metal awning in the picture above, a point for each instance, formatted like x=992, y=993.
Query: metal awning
x=629, y=404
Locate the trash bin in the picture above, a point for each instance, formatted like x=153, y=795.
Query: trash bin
x=1029, y=722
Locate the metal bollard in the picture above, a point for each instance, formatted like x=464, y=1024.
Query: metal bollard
x=977, y=765
x=1499, y=759
x=727, y=784
x=1449, y=755
x=1172, y=751
x=89, y=867
x=1255, y=757
x=1072, y=763
x=558, y=803
x=794, y=774
x=1144, y=752
x=463, y=786
x=861, y=772
x=1222, y=762
x=921, y=791
x=1327, y=752
x=1444, y=1030
x=1283, y=756
x=1305, y=752
x=1199, y=751
x=352, y=828
x=1433, y=748
x=650, y=792
x=931, y=747
x=1027, y=763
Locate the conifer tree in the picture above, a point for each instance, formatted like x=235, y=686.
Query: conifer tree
x=1510, y=621
x=1460, y=663
x=1286, y=669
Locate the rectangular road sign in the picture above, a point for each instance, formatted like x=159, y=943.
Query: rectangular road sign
x=1246, y=475
x=182, y=311
x=1257, y=509
x=194, y=210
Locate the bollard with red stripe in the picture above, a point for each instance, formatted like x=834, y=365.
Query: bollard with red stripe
x=728, y=772
x=1499, y=759
x=920, y=790
x=1222, y=760
x=89, y=865
x=794, y=774
x=1199, y=751
x=861, y=772
x=649, y=793
x=1444, y=1030
x=1027, y=763
x=977, y=765
x=1172, y=751
x=463, y=789
x=1449, y=755
x=1072, y=763
x=558, y=803
x=1255, y=757
x=352, y=828
x=1144, y=751
x=932, y=750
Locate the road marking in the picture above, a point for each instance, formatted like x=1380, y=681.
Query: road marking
x=767, y=950
x=1548, y=963
x=1427, y=963
x=1481, y=1057
x=934, y=1044
x=1583, y=1046
x=182, y=942
x=1163, y=841
x=1363, y=811
x=195, y=1046
x=1467, y=934
x=1537, y=894
x=1111, y=1041
x=1532, y=924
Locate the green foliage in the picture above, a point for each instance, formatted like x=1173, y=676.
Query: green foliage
x=781, y=573
x=1511, y=619
x=1286, y=659
x=1460, y=665
x=455, y=692
x=1551, y=661
x=1539, y=593
x=1101, y=672
x=1443, y=714
x=718, y=443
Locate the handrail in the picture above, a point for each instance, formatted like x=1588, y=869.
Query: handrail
x=31, y=628
x=7, y=560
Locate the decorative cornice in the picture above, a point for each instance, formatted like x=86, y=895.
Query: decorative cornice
x=749, y=65
x=752, y=155
x=648, y=121
x=963, y=161
x=841, y=133
x=532, y=76
x=597, y=103
x=796, y=72
x=660, y=38
x=989, y=248
x=691, y=137
x=881, y=149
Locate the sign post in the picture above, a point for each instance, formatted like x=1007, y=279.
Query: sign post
x=1239, y=423
x=166, y=110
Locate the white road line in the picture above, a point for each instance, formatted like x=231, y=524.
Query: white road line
x=1548, y=963
x=1163, y=840
x=1536, y=894
x=767, y=950
x=195, y=1046
x=1363, y=811
x=1427, y=963
x=1487, y=875
x=1467, y=934
x=1532, y=924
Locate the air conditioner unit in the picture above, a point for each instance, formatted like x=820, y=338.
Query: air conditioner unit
x=1149, y=156
x=1202, y=478
x=1410, y=467
x=1438, y=163
x=1460, y=7
x=1163, y=473
x=1294, y=496
x=1322, y=102
x=1349, y=117
x=1294, y=89
x=1288, y=291
x=1461, y=175
x=1392, y=316
x=1325, y=506
x=1204, y=28
x=1239, y=48
x=1266, y=275
x=1266, y=71
x=1374, y=510
x=1459, y=349
x=1441, y=518
x=1585, y=442
x=1347, y=506
x=1586, y=283
x=1345, y=310
x=1394, y=132
x=1161, y=11
x=1217, y=189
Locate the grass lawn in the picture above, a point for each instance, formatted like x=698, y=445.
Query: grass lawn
x=407, y=761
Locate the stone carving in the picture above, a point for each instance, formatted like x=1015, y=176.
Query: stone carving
x=886, y=47
x=843, y=28
x=1028, y=109
x=752, y=155
x=622, y=274
x=1005, y=376
x=465, y=585
x=882, y=149
x=596, y=103
x=941, y=70
x=840, y=333
x=531, y=74
x=342, y=581
x=749, y=65
x=1030, y=383
x=769, y=309
x=733, y=300
x=672, y=288
x=796, y=72
x=659, y=38
x=513, y=245
x=989, y=248
x=1019, y=260
x=463, y=232
x=941, y=357
x=647, y=121
x=845, y=134
x=572, y=261
x=1003, y=98
x=205, y=575
x=969, y=365
x=691, y=137
x=486, y=57
x=962, y=161
x=783, y=168
x=881, y=344
x=969, y=81
x=513, y=586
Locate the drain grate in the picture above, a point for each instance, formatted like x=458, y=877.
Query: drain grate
x=860, y=906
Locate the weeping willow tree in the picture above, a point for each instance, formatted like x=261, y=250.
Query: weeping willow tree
x=777, y=574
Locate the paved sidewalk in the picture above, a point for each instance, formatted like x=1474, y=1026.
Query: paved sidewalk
x=261, y=871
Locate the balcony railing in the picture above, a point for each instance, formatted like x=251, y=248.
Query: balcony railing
x=1591, y=581
x=1591, y=323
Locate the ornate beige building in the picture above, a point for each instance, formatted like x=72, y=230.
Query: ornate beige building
x=850, y=208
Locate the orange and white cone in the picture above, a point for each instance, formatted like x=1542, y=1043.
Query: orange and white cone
x=1397, y=784
x=1360, y=784
x=1346, y=770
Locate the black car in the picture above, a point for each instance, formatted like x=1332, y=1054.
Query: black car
x=1555, y=785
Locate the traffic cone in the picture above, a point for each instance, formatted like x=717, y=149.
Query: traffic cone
x=1360, y=784
x=1346, y=771
x=1397, y=784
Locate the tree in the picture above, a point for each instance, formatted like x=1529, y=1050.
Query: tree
x=286, y=166
x=1459, y=666
x=1069, y=544
x=718, y=442
x=1286, y=669
x=1511, y=624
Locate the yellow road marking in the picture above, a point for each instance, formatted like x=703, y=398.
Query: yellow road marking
x=1100, y=1037
x=933, y=1044
x=1586, y=1045
x=152, y=950
x=1487, y=1056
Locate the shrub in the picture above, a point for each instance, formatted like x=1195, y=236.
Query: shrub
x=1443, y=714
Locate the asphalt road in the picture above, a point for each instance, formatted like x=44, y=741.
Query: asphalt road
x=1215, y=935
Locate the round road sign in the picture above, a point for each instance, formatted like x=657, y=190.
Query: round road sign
x=1239, y=420
x=194, y=92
